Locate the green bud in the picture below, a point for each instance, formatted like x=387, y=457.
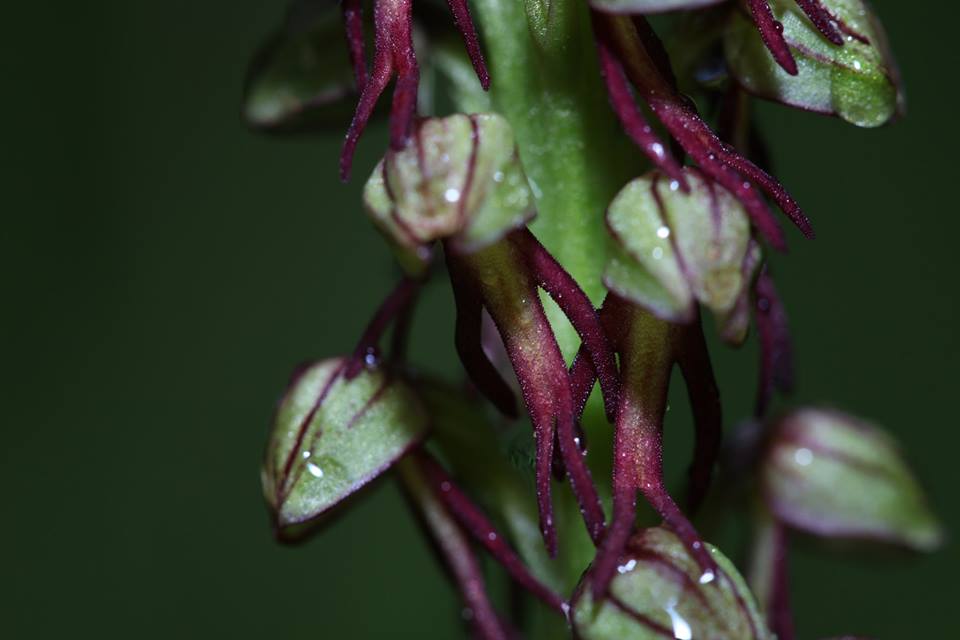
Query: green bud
x=301, y=78
x=459, y=179
x=830, y=474
x=856, y=81
x=658, y=592
x=674, y=249
x=331, y=436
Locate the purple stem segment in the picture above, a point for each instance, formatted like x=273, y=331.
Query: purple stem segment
x=678, y=115
x=473, y=520
x=455, y=551
x=395, y=305
x=353, y=25
x=461, y=18
x=776, y=349
x=394, y=55
x=646, y=359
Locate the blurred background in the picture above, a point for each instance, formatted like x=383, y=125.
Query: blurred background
x=164, y=269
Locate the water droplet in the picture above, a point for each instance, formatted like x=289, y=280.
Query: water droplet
x=657, y=149
x=657, y=253
x=674, y=185
x=491, y=536
x=451, y=195
x=627, y=567
x=803, y=456
x=663, y=232
x=314, y=470
x=681, y=628
x=498, y=176
x=305, y=455
x=707, y=577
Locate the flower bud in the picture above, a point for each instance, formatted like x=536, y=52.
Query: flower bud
x=832, y=475
x=658, y=592
x=674, y=249
x=331, y=436
x=856, y=81
x=460, y=178
x=301, y=79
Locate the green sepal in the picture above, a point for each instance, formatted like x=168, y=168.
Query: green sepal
x=658, y=590
x=359, y=428
x=833, y=475
x=857, y=81
x=673, y=249
x=460, y=179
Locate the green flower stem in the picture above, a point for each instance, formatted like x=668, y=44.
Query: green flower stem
x=545, y=80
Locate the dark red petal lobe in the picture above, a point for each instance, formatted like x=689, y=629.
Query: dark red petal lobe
x=469, y=343
x=694, y=360
x=582, y=377
x=776, y=350
x=353, y=24
x=456, y=553
x=575, y=304
x=461, y=17
x=821, y=19
x=399, y=300
x=633, y=122
x=394, y=55
x=781, y=613
x=476, y=524
x=772, y=33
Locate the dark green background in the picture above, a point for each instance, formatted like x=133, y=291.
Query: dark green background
x=164, y=269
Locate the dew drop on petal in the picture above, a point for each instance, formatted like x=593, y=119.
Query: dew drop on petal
x=803, y=456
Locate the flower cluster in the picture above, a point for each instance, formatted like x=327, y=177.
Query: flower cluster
x=686, y=237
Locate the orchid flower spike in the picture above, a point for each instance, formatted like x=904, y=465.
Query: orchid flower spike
x=461, y=182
